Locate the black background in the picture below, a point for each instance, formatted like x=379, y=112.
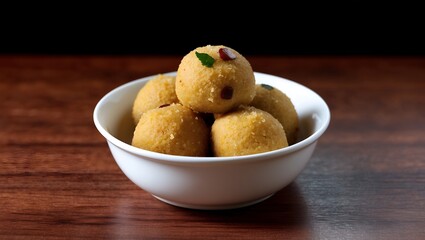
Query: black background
x=260, y=31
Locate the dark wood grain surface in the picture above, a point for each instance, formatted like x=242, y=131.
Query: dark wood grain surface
x=58, y=180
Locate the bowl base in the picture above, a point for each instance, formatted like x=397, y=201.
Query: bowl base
x=214, y=207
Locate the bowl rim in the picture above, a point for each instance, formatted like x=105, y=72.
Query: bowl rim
x=190, y=159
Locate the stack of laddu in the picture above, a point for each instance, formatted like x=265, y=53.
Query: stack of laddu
x=213, y=107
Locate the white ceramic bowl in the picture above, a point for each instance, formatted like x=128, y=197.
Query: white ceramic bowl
x=211, y=182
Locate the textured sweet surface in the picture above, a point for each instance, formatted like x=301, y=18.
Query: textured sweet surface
x=279, y=105
x=218, y=88
x=246, y=131
x=173, y=129
x=157, y=92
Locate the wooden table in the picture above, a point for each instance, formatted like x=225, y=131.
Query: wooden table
x=58, y=180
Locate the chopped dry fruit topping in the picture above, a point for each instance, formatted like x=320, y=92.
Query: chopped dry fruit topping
x=268, y=87
x=226, y=54
x=226, y=92
x=164, y=105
